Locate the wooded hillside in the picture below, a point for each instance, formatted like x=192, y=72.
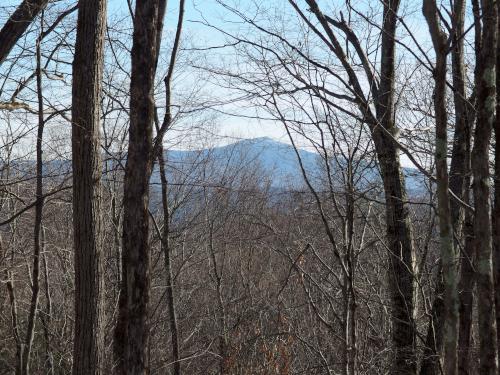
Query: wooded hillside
x=368, y=244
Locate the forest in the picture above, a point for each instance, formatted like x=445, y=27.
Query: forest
x=250, y=187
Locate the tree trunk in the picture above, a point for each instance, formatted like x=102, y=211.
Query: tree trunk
x=460, y=159
x=165, y=243
x=399, y=231
x=401, y=278
x=9, y=283
x=383, y=131
x=132, y=332
x=467, y=273
x=448, y=261
x=88, y=347
x=434, y=339
x=466, y=287
x=459, y=185
x=35, y=287
x=160, y=131
x=46, y=317
x=486, y=101
x=496, y=206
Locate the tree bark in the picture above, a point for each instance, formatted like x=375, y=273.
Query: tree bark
x=459, y=182
x=434, y=339
x=399, y=231
x=132, y=331
x=486, y=102
x=466, y=288
x=448, y=259
x=467, y=273
x=15, y=322
x=88, y=347
x=46, y=317
x=496, y=206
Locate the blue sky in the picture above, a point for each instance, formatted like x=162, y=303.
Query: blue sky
x=229, y=127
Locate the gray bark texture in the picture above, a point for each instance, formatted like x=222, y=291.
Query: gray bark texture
x=132, y=331
x=496, y=206
x=88, y=350
x=486, y=103
x=399, y=229
x=448, y=259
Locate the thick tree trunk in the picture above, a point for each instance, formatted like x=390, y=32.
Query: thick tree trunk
x=402, y=261
x=460, y=159
x=399, y=232
x=17, y=24
x=486, y=102
x=132, y=327
x=87, y=222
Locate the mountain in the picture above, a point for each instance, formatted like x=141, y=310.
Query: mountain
x=264, y=156
x=257, y=160
x=276, y=159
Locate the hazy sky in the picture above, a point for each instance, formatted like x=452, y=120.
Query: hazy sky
x=228, y=126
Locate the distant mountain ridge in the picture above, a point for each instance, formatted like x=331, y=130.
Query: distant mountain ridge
x=275, y=158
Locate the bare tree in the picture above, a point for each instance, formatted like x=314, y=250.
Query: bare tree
x=132, y=331
x=226, y=265
x=87, y=170
x=375, y=106
x=440, y=42
x=486, y=101
x=165, y=240
x=35, y=287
